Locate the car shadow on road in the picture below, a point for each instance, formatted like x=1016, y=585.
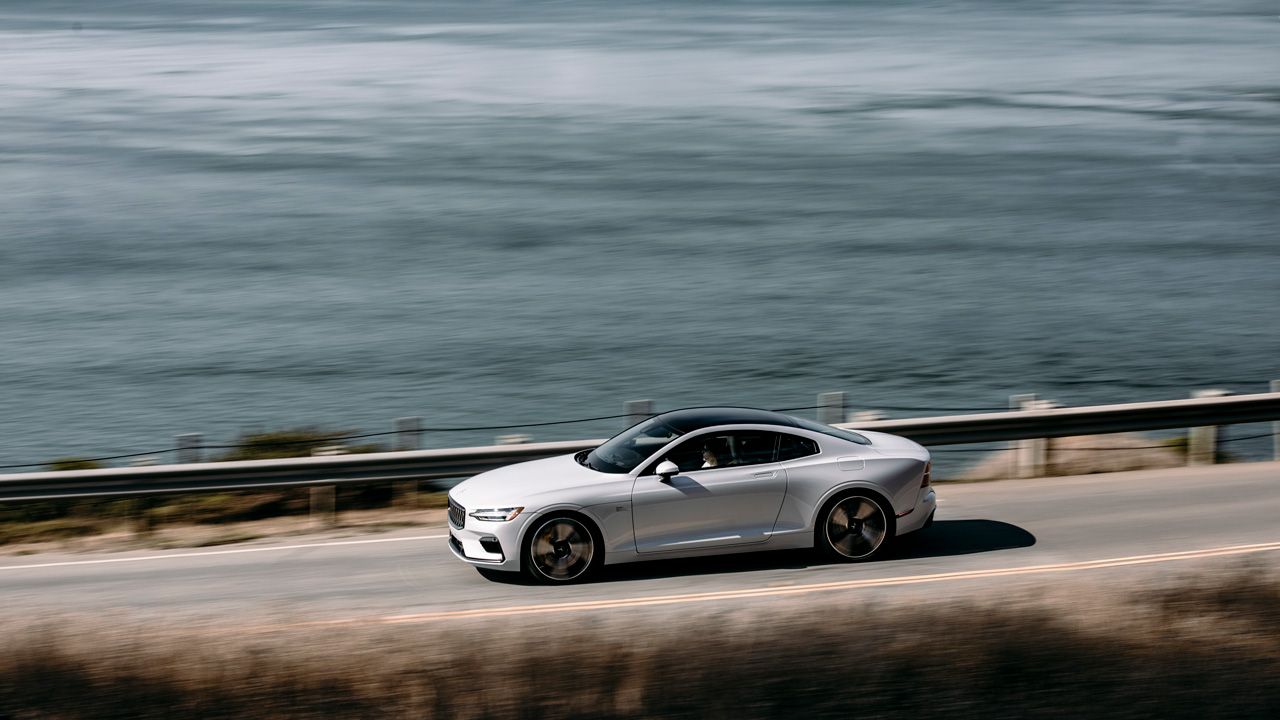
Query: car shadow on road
x=945, y=538
x=959, y=537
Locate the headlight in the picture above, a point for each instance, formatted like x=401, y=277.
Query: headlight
x=496, y=514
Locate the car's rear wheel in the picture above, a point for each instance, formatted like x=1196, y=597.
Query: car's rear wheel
x=560, y=550
x=854, y=528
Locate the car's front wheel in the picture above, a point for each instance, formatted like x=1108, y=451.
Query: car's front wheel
x=853, y=528
x=561, y=549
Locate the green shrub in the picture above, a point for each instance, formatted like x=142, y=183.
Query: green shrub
x=74, y=464
x=57, y=529
x=289, y=443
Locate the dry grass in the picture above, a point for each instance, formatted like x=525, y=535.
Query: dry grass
x=1206, y=648
x=186, y=520
x=29, y=538
x=51, y=520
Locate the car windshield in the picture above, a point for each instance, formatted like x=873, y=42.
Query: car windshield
x=623, y=452
x=833, y=432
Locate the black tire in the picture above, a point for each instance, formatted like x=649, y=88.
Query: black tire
x=854, y=527
x=561, y=549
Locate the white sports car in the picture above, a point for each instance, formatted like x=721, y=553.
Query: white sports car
x=703, y=481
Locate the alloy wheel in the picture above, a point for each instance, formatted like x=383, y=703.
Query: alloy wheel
x=561, y=549
x=856, y=527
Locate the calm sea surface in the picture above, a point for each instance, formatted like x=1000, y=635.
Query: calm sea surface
x=225, y=215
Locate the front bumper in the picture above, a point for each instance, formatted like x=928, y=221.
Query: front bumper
x=493, y=545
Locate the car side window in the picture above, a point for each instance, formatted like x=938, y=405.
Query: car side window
x=729, y=449
x=687, y=455
x=792, y=447
x=754, y=448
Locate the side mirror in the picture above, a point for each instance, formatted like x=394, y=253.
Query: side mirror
x=666, y=469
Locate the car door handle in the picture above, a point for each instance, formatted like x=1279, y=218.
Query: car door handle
x=764, y=475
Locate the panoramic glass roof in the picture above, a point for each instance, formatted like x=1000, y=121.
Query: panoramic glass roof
x=686, y=421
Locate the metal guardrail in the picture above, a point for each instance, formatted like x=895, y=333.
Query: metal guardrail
x=282, y=473
x=460, y=462
x=1095, y=420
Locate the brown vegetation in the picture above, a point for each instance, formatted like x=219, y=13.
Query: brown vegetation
x=41, y=521
x=243, y=514
x=293, y=442
x=1209, y=648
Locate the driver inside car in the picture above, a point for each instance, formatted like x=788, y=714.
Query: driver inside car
x=709, y=459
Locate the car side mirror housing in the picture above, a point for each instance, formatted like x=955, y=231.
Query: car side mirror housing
x=666, y=469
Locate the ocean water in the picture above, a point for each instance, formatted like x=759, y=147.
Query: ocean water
x=225, y=215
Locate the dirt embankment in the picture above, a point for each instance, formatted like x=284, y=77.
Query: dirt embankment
x=1088, y=454
x=202, y=520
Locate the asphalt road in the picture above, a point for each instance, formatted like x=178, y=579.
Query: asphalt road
x=1118, y=529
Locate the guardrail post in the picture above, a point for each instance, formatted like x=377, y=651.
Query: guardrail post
x=638, y=411
x=408, y=433
x=189, y=447
x=1275, y=427
x=1038, y=448
x=865, y=416
x=1202, y=442
x=831, y=408
x=324, y=499
x=324, y=512
x=144, y=521
x=408, y=437
x=1020, y=451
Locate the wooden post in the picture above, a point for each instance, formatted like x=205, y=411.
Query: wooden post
x=831, y=408
x=638, y=411
x=1202, y=442
x=189, y=448
x=408, y=435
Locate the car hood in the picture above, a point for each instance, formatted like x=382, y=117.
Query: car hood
x=517, y=484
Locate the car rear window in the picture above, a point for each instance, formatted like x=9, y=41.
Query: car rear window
x=833, y=431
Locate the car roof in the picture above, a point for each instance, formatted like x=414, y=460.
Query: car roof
x=691, y=419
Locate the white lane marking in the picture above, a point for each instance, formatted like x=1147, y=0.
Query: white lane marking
x=220, y=552
x=610, y=604
x=748, y=593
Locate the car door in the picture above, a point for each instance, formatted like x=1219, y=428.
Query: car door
x=734, y=502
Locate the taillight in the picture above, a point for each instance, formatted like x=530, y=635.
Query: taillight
x=924, y=482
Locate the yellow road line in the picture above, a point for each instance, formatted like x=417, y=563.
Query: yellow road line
x=843, y=585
